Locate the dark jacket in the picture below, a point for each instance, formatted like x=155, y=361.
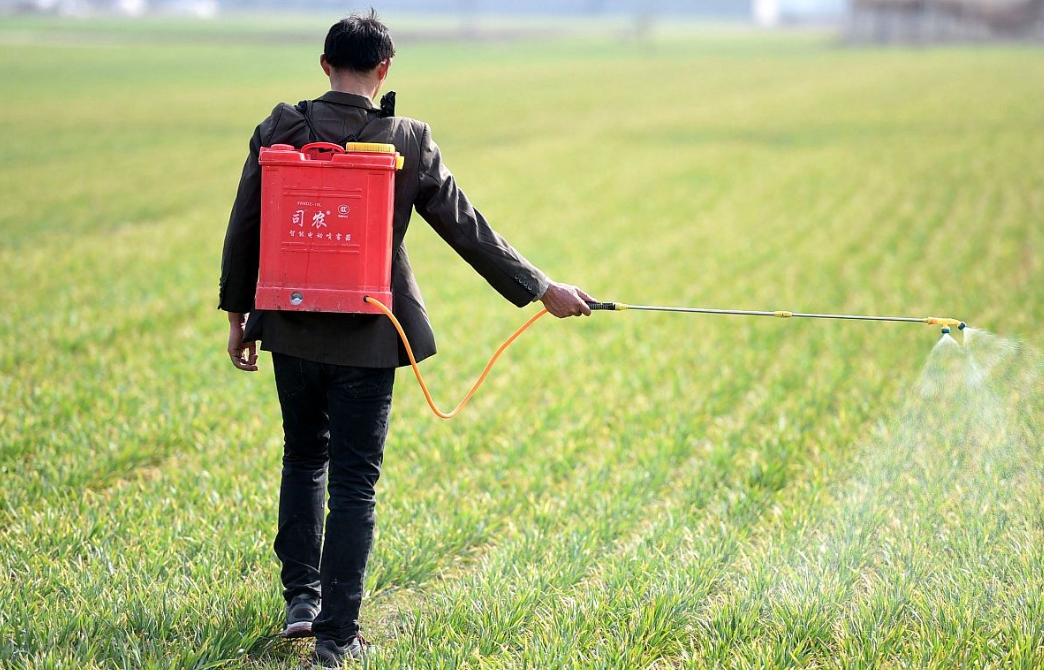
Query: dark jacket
x=424, y=184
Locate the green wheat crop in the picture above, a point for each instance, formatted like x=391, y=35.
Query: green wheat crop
x=633, y=490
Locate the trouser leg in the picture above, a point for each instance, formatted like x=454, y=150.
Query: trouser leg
x=359, y=402
x=302, y=490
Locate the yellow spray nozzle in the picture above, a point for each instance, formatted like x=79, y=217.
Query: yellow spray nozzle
x=941, y=321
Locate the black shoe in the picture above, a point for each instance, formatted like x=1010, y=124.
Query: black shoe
x=300, y=613
x=329, y=655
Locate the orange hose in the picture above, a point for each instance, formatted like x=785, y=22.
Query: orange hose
x=420, y=378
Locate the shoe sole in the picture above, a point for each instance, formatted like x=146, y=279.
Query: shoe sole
x=298, y=630
x=354, y=654
x=334, y=665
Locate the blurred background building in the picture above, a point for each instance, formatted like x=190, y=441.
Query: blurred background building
x=927, y=21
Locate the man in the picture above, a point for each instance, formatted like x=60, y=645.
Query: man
x=334, y=372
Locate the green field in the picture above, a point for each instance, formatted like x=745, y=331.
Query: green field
x=632, y=490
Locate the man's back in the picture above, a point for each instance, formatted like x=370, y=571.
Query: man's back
x=423, y=183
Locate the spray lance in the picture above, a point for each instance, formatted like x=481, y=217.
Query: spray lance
x=946, y=324
x=930, y=320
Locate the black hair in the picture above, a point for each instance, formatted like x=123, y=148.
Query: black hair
x=358, y=43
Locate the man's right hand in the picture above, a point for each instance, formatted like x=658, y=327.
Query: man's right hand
x=564, y=300
x=243, y=354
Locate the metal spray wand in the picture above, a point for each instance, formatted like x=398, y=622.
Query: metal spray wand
x=946, y=323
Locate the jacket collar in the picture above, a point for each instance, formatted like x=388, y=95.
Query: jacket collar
x=350, y=99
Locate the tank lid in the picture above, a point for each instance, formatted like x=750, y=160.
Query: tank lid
x=371, y=147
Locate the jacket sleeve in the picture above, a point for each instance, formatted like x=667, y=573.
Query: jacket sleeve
x=445, y=207
x=240, y=258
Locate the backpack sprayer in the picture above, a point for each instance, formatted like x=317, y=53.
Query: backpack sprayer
x=326, y=236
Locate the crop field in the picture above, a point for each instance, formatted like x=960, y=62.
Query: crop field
x=631, y=490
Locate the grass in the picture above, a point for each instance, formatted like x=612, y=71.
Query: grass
x=631, y=490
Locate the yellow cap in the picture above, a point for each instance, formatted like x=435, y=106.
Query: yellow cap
x=376, y=148
x=372, y=147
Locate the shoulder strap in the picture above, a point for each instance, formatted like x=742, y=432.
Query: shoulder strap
x=387, y=109
x=302, y=107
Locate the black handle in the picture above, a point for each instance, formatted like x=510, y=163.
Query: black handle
x=608, y=306
x=387, y=105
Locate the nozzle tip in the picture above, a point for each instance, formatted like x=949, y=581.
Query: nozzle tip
x=946, y=330
x=962, y=326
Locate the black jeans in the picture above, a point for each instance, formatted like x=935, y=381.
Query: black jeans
x=335, y=421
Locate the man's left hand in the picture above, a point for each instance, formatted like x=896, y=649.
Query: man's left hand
x=564, y=300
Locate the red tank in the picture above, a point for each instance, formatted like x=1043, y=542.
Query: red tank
x=326, y=227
